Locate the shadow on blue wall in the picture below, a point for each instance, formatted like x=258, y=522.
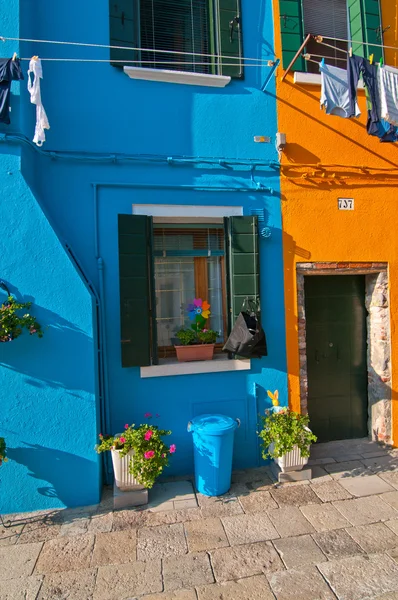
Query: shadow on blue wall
x=58, y=468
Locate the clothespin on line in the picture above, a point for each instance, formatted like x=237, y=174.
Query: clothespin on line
x=319, y=39
x=371, y=57
x=350, y=52
x=14, y=56
x=35, y=58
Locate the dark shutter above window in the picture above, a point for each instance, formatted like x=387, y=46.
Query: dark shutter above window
x=292, y=32
x=122, y=26
x=243, y=265
x=136, y=291
x=365, y=25
x=230, y=38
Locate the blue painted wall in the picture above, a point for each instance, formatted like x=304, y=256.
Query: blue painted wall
x=95, y=108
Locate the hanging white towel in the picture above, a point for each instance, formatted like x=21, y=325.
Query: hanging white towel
x=42, y=123
x=388, y=86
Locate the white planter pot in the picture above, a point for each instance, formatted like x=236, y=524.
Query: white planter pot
x=291, y=461
x=123, y=479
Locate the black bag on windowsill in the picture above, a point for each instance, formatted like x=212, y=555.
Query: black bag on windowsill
x=247, y=338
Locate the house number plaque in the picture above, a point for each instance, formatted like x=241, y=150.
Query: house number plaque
x=346, y=203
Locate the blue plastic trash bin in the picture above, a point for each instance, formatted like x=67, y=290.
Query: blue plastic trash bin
x=213, y=441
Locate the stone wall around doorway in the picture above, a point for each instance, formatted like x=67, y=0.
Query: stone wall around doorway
x=378, y=338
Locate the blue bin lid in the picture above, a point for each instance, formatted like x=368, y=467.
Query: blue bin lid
x=213, y=424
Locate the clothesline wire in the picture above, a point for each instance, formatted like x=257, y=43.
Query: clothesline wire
x=352, y=42
x=309, y=54
x=61, y=42
x=330, y=46
x=140, y=62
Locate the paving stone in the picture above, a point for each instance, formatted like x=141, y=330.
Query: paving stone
x=297, y=495
x=65, y=554
x=374, y=454
x=393, y=525
x=117, y=547
x=320, y=461
x=340, y=470
x=239, y=489
x=177, y=595
x=101, y=523
x=319, y=475
x=175, y=516
x=344, y=457
x=71, y=585
x=330, y=491
x=245, y=561
x=160, y=542
x=299, y=551
x=361, y=511
x=246, y=529
x=324, y=517
x=219, y=506
x=10, y=535
x=75, y=526
x=187, y=571
x=18, y=561
x=381, y=464
x=365, y=486
x=391, y=498
x=361, y=577
x=289, y=521
x=38, y=532
x=262, y=474
x=390, y=477
x=257, y=502
x=374, y=538
x=388, y=596
x=393, y=552
x=205, y=534
x=23, y=588
x=126, y=581
x=252, y=588
x=337, y=544
x=300, y=584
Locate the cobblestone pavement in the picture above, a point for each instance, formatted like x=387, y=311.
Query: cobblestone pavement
x=333, y=537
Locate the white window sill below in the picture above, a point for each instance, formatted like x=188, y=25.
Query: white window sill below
x=177, y=76
x=219, y=364
x=314, y=79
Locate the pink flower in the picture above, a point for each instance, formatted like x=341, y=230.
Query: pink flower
x=148, y=415
x=100, y=435
x=122, y=440
x=148, y=435
x=163, y=456
x=126, y=426
x=149, y=454
x=172, y=448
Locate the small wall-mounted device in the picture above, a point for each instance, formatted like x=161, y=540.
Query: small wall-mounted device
x=262, y=139
x=280, y=141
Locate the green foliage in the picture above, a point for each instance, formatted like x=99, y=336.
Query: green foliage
x=3, y=451
x=151, y=455
x=11, y=324
x=188, y=337
x=285, y=429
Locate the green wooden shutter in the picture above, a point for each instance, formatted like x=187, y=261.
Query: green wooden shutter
x=122, y=29
x=291, y=19
x=137, y=308
x=243, y=264
x=229, y=13
x=365, y=26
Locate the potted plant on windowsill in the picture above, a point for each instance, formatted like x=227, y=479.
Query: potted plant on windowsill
x=139, y=455
x=196, y=343
x=286, y=437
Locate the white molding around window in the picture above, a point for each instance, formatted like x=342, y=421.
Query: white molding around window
x=314, y=79
x=186, y=213
x=169, y=76
x=220, y=364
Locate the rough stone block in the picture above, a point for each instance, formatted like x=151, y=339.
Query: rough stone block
x=205, y=534
x=101, y=523
x=257, y=502
x=366, y=486
x=244, y=561
x=187, y=571
x=253, y=588
x=299, y=551
x=330, y=491
x=247, y=529
x=131, y=498
x=360, y=577
x=374, y=538
x=324, y=517
x=177, y=595
x=351, y=468
x=18, y=561
x=73, y=585
x=300, y=584
x=289, y=521
x=362, y=511
x=128, y=581
x=65, y=554
x=297, y=495
x=23, y=588
x=337, y=544
x=117, y=547
x=391, y=477
x=161, y=542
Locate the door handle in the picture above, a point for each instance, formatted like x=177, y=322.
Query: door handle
x=235, y=21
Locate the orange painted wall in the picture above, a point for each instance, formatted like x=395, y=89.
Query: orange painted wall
x=314, y=230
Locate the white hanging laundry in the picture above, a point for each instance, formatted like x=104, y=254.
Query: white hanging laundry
x=388, y=87
x=36, y=70
x=335, y=96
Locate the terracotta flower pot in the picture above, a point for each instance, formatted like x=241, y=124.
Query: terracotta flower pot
x=195, y=352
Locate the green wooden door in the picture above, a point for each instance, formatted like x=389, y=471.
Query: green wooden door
x=336, y=356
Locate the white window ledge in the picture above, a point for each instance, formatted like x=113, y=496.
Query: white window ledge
x=177, y=77
x=314, y=79
x=219, y=364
